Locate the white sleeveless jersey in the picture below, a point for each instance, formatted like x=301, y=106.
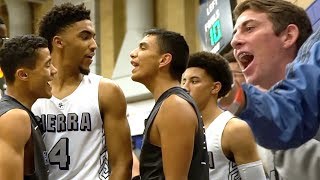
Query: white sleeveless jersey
x=221, y=167
x=74, y=134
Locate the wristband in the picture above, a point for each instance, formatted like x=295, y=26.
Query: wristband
x=238, y=102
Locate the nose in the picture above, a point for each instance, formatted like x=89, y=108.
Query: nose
x=93, y=45
x=53, y=70
x=133, y=53
x=185, y=85
x=237, y=41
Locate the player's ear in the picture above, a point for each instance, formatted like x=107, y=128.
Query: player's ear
x=165, y=59
x=21, y=74
x=216, y=87
x=57, y=41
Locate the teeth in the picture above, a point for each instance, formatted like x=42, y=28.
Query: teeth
x=242, y=55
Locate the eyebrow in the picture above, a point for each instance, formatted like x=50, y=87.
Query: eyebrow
x=192, y=77
x=143, y=44
x=48, y=60
x=243, y=24
x=87, y=32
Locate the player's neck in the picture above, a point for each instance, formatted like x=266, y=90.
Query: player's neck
x=63, y=86
x=23, y=97
x=160, y=86
x=210, y=113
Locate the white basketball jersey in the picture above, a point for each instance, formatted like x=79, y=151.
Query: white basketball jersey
x=220, y=166
x=74, y=134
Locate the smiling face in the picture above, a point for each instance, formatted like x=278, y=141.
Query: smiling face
x=145, y=60
x=79, y=46
x=41, y=75
x=259, y=51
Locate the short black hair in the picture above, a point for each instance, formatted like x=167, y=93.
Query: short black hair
x=216, y=67
x=175, y=44
x=59, y=18
x=20, y=51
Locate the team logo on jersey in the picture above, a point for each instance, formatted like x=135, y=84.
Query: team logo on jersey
x=104, y=172
x=233, y=171
x=62, y=123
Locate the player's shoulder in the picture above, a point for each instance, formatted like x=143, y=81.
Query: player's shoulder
x=109, y=85
x=16, y=113
x=17, y=121
x=237, y=130
x=236, y=124
x=176, y=107
x=175, y=102
x=110, y=93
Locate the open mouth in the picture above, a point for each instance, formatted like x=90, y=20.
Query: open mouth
x=245, y=59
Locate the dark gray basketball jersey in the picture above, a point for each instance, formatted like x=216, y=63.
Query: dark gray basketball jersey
x=151, y=166
x=40, y=154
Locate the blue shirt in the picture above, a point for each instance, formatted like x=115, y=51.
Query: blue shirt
x=287, y=115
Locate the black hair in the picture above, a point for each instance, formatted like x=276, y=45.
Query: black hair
x=20, y=51
x=175, y=44
x=59, y=18
x=216, y=67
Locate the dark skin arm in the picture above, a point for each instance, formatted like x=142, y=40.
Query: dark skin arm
x=113, y=110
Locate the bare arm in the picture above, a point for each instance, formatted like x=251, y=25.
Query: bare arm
x=176, y=123
x=238, y=141
x=118, y=140
x=135, y=166
x=15, y=130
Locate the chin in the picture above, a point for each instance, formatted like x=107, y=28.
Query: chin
x=84, y=71
x=133, y=78
x=48, y=96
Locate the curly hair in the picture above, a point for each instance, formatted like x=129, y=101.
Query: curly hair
x=59, y=18
x=20, y=51
x=281, y=13
x=216, y=66
x=175, y=44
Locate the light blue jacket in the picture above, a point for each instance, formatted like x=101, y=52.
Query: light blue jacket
x=287, y=115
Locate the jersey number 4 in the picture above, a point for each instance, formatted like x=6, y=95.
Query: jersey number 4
x=59, y=154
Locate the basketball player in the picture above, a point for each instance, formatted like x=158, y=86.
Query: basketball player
x=231, y=145
x=174, y=143
x=27, y=68
x=85, y=120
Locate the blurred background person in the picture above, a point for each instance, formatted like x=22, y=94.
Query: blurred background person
x=234, y=67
